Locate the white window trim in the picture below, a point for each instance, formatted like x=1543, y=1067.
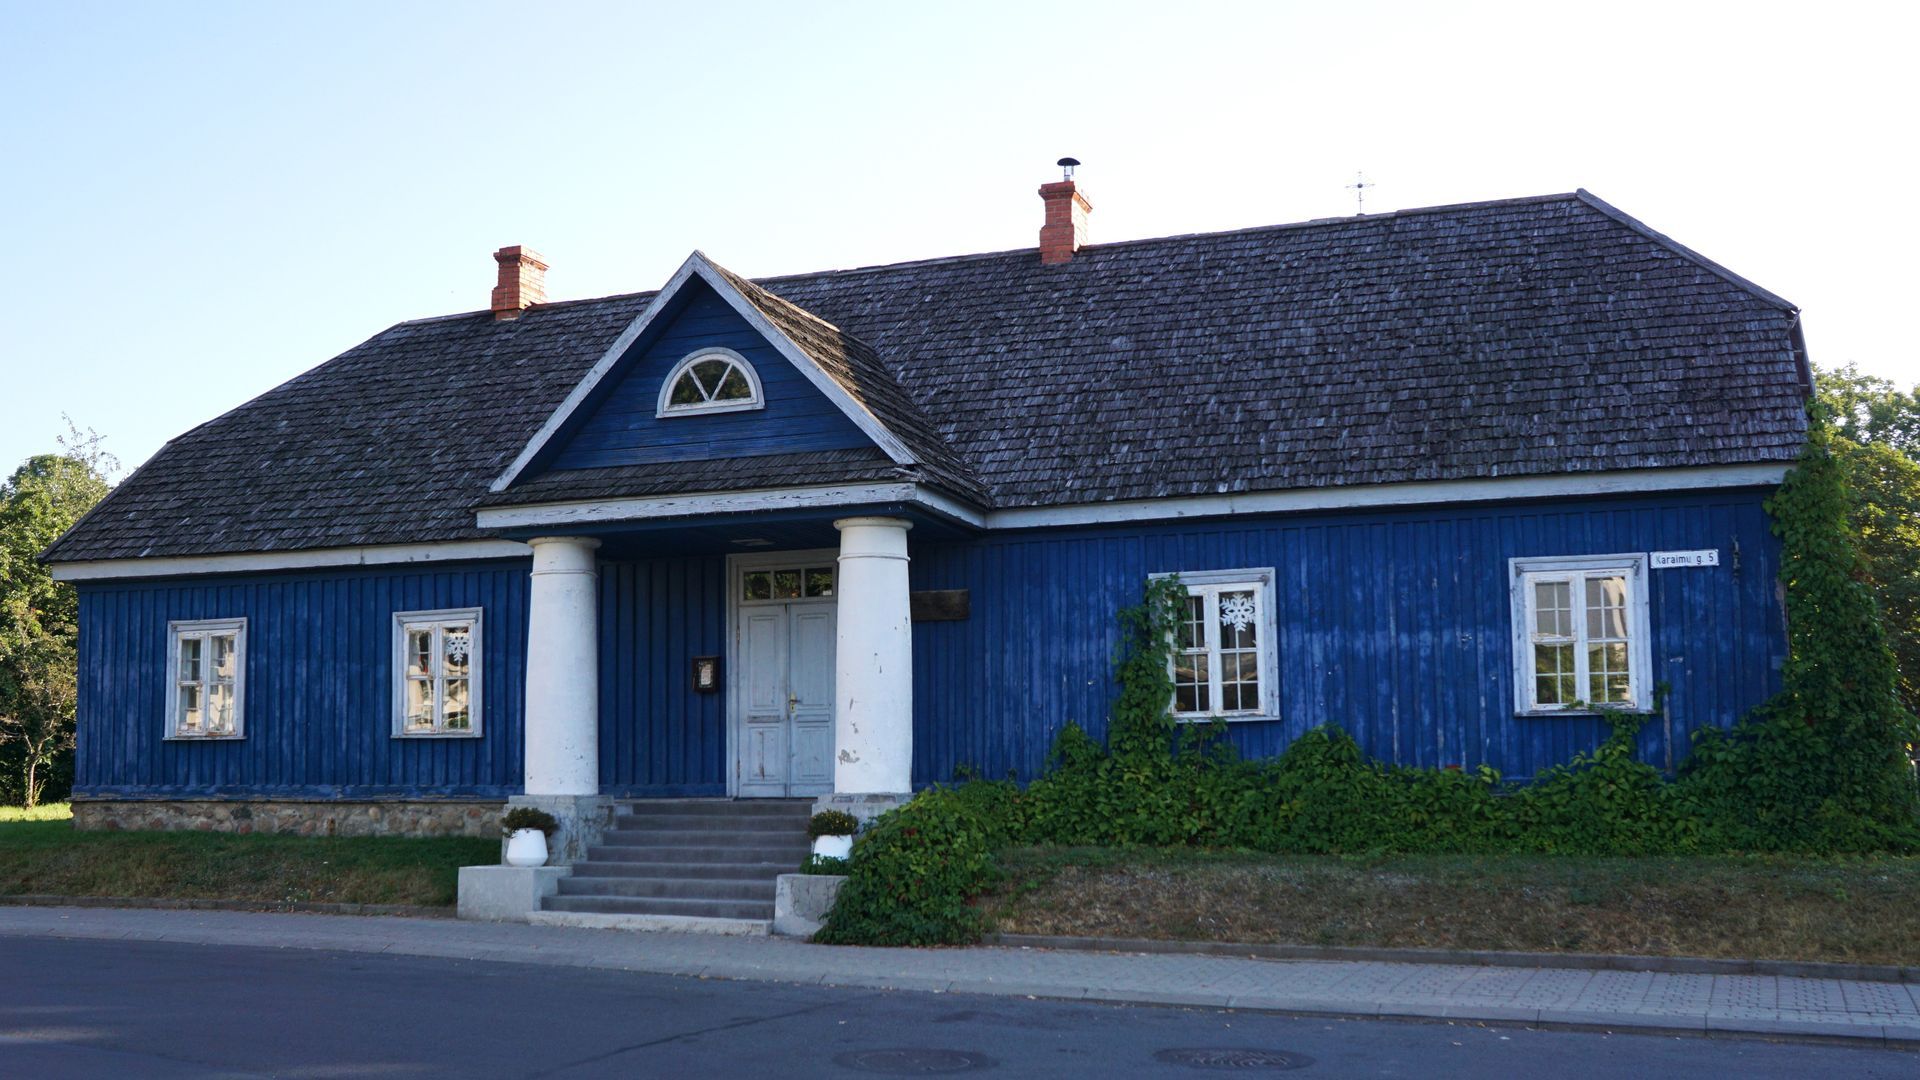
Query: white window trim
x=665, y=408
x=204, y=628
x=475, y=672
x=1260, y=581
x=1520, y=572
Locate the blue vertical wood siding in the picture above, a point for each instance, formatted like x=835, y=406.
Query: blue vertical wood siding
x=621, y=429
x=658, y=736
x=1395, y=625
x=319, y=685
x=319, y=690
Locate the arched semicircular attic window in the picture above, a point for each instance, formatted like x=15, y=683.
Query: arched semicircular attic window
x=711, y=381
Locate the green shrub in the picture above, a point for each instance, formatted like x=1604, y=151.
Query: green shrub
x=1603, y=803
x=825, y=865
x=912, y=876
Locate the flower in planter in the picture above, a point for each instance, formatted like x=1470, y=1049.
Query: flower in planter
x=832, y=823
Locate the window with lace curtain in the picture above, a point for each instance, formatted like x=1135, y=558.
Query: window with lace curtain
x=1223, y=655
x=437, y=673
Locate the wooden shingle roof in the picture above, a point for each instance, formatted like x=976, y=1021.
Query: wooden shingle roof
x=1521, y=337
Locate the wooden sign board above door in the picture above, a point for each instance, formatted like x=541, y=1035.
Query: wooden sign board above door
x=941, y=605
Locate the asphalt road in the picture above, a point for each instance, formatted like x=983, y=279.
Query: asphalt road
x=144, y=1009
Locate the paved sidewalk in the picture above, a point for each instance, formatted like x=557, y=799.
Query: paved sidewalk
x=1618, y=1000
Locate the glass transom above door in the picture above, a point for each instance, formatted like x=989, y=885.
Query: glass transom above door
x=796, y=584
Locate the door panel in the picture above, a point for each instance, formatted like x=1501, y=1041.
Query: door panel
x=762, y=757
x=786, y=695
x=810, y=681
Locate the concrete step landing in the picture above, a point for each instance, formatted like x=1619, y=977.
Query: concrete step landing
x=685, y=924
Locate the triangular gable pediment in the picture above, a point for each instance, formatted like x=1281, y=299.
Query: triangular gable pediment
x=802, y=359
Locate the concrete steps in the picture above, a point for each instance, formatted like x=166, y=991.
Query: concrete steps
x=749, y=871
x=687, y=864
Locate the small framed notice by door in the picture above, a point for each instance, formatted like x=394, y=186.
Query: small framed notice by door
x=706, y=674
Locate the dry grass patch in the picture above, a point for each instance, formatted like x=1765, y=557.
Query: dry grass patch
x=1859, y=910
x=47, y=857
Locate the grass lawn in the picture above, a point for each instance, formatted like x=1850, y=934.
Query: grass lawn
x=49, y=812
x=40, y=853
x=1859, y=911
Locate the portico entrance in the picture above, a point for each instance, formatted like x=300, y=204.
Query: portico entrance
x=784, y=609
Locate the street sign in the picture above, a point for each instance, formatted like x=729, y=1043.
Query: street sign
x=1671, y=560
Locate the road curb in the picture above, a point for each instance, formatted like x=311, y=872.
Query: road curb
x=303, y=907
x=1678, y=965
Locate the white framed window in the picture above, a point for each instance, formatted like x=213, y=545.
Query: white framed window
x=710, y=381
x=206, y=679
x=1580, y=633
x=436, y=665
x=1223, y=657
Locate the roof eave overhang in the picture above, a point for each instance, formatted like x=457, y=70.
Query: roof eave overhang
x=250, y=562
x=817, y=498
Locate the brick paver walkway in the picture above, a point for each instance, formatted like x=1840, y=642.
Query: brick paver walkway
x=1621, y=1000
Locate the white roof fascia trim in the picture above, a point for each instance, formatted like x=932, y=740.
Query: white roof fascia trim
x=1406, y=494
x=760, y=500
x=593, y=376
x=821, y=381
x=314, y=558
x=1563, y=485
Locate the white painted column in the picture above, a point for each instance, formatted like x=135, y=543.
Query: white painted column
x=873, y=660
x=563, y=669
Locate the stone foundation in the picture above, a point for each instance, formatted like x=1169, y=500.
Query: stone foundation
x=584, y=819
x=298, y=818
x=864, y=808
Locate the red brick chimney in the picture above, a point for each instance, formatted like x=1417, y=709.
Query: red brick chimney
x=523, y=281
x=1065, y=230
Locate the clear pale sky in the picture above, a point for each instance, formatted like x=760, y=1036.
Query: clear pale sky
x=202, y=200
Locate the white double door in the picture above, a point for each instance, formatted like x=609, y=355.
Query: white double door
x=786, y=699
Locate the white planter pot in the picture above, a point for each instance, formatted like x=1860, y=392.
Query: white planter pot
x=527, y=847
x=833, y=847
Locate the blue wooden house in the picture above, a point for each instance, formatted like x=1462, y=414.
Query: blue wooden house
x=1445, y=477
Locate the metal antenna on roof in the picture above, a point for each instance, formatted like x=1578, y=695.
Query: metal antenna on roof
x=1067, y=165
x=1359, y=188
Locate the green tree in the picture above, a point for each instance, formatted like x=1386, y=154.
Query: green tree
x=39, y=617
x=1870, y=410
x=1876, y=442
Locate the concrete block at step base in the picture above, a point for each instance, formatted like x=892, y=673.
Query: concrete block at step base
x=863, y=807
x=801, y=902
x=584, y=819
x=506, y=893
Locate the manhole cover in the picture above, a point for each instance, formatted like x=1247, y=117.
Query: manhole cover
x=914, y=1061
x=1271, y=1060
